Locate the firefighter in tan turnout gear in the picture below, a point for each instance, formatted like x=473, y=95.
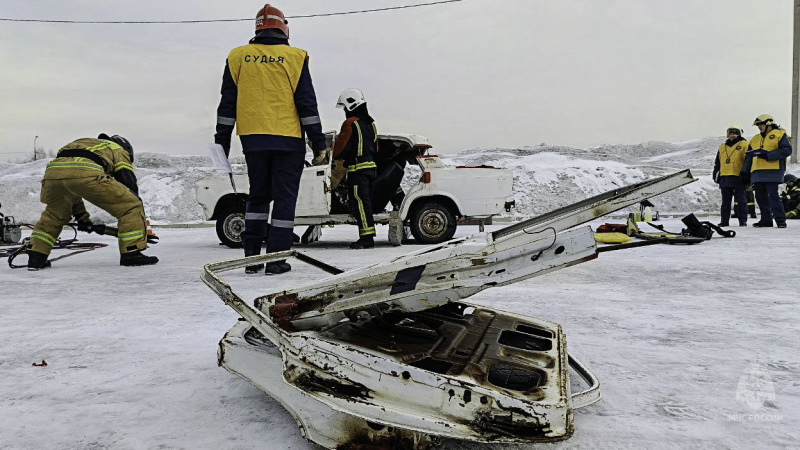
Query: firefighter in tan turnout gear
x=99, y=171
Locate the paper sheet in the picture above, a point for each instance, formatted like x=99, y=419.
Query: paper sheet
x=221, y=163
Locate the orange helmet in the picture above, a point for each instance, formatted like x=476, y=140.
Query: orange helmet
x=271, y=17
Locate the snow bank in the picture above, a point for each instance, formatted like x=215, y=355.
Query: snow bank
x=545, y=177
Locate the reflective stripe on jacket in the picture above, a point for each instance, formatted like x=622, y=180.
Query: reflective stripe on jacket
x=113, y=157
x=356, y=144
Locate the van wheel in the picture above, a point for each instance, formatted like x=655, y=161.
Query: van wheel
x=230, y=226
x=433, y=223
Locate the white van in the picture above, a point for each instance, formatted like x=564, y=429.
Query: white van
x=431, y=208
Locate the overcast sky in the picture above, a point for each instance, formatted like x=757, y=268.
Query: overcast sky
x=477, y=73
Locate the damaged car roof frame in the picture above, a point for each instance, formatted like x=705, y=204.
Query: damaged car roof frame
x=391, y=350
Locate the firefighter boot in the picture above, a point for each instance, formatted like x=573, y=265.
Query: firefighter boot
x=363, y=242
x=136, y=259
x=252, y=249
x=37, y=261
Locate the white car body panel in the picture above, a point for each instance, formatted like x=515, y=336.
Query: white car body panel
x=392, y=347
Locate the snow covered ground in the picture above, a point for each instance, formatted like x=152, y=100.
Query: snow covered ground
x=695, y=347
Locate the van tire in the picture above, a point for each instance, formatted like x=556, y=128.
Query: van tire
x=230, y=226
x=432, y=223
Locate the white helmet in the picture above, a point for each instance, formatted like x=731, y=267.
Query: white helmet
x=350, y=99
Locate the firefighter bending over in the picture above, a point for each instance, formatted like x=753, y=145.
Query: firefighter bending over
x=357, y=144
x=99, y=171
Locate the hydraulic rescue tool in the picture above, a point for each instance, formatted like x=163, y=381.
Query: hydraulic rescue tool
x=69, y=244
x=390, y=355
x=10, y=231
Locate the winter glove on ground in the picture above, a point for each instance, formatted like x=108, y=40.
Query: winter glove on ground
x=85, y=226
x=759, y=154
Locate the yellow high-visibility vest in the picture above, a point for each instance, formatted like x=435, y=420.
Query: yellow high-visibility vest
x=731, y=158
x=769, y=144
x=266, y=77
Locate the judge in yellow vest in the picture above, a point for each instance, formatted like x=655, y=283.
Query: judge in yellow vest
x=268, y=96
x=727, y=166
x=764, y=165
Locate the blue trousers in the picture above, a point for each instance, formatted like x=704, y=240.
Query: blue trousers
x=769, y=202
x=274, y=178
x=741, y=204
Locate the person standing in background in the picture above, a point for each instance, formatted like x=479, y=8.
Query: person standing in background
x=764, y=166
x=727, y=166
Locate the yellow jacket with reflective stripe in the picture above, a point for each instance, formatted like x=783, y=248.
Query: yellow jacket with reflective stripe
x=114, y=158
x=266, y=77
x=734, y=154
x=769, y=144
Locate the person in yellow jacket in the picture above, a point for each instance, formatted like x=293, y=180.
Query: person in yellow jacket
x=764, y=166
x=727, y=166
x=268, y=95
x=99, y=171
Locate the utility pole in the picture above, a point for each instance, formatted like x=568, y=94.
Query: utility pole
x=796, y=83
x=37, y=137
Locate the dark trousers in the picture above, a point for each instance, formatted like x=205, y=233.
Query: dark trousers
x=274, y=178
x=361, y=185
x=741, y=204
x=769, y=202
x=751, y=202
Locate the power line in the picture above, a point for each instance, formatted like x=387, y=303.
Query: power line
x=343, y=13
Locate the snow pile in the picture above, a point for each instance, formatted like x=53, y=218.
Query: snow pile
x=545, y=177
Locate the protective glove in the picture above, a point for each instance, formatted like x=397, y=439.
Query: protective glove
x=320, y=158
x=99, y=229
x=716, y=177
x=85, y=226
x=791, y=214
x=225, y=142
x=758, y=153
